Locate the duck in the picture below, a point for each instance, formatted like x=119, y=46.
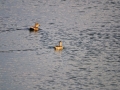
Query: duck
x=35, y=27
x=59, y=47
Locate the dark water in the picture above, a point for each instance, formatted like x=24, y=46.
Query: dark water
x=89, y=30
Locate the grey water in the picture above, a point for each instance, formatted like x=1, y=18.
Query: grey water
x=89, y=30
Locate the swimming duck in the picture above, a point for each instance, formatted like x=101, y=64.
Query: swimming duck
x=35, y=27
x=59, y=47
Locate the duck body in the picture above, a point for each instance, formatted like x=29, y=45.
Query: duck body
x=35, y=27
x=59, y=47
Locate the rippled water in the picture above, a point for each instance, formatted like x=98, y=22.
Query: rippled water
x=89, y=30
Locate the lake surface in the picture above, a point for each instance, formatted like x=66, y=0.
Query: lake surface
x=89, y=30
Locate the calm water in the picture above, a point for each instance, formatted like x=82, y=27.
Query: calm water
x=89, y=30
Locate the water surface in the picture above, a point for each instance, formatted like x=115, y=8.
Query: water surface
x=89, y=30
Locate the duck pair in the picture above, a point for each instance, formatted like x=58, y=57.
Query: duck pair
x=36, y=28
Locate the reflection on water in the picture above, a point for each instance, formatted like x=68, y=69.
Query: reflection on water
x=89, y=30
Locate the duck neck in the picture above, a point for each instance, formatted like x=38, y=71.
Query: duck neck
x=60, y=44
x=36, y=26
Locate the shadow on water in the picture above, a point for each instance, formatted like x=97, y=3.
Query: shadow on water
x=13, y=29
x=19, y=50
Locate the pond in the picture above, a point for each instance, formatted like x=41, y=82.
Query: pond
x=89, y=31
